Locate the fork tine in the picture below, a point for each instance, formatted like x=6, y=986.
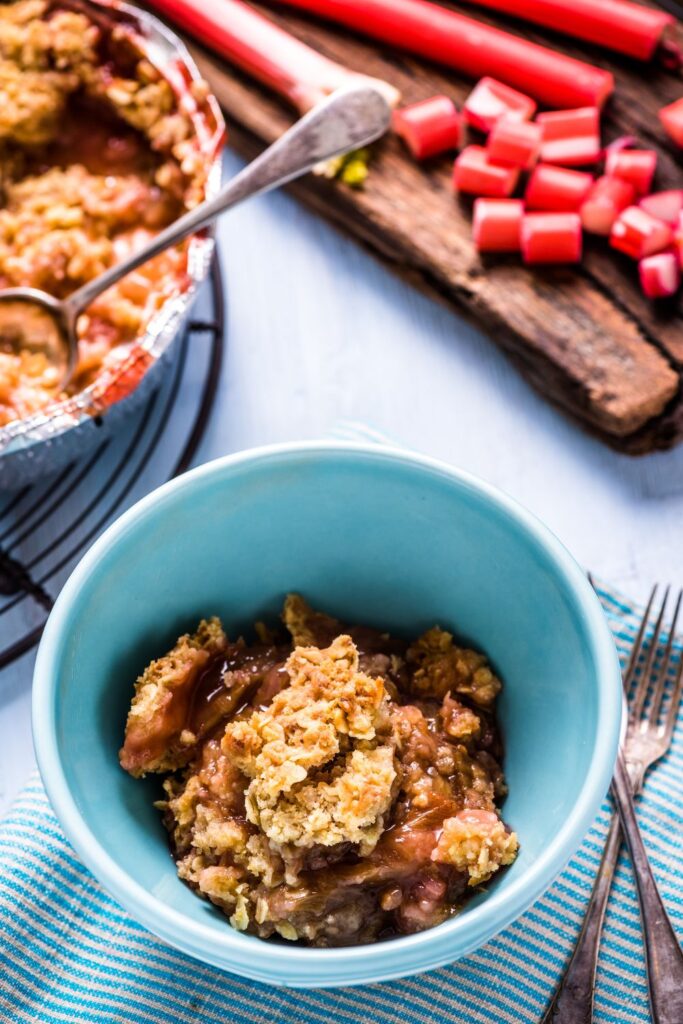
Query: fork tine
x=672, y=710
x=663, y=671
x=637, y=645
x=642, y=684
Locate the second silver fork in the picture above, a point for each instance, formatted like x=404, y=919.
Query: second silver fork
x=648, y=738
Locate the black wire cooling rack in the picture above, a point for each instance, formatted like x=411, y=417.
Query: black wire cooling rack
x=46, y=527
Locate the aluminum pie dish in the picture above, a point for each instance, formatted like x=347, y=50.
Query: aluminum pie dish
x=44, y=442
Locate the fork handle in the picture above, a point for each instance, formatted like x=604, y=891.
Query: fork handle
x=663, y=955
x=573, y=1000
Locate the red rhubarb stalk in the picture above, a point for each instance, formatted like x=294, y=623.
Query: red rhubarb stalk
x=616, y=24
x=263, y=50
x=470, y=47
x=429, y=127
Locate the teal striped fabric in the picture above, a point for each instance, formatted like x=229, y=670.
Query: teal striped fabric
x=69, y=953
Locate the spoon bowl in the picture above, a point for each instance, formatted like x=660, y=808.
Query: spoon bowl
x=34, y=321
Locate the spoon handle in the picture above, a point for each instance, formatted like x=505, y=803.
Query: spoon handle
x=347, y=119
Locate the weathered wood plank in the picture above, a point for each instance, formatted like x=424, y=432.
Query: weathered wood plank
x=585, y=338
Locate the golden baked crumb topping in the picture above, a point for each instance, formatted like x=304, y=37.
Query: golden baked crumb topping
x=325, y=786
x=318, y=772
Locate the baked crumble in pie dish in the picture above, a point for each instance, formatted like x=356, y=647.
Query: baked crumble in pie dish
x=326, y=784
x=107, y=134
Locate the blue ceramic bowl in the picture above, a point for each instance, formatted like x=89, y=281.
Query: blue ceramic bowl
x=373, y=535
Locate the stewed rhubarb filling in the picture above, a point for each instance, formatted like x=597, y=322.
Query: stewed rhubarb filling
x=328, y=784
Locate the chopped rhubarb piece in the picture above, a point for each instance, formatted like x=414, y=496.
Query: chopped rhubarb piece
x=678, y=240
x=621, y=142
x=639, y=234
x=634, y=165
x=556, y=188
x=667, y=206
x=605, y=201
x=578, y=151
x=551, y=238
x=671, y=117
x=496, y=224
x=474, y=173
x=490, y=100
x=428, y=127
x=660, y=275
x=571, y=137
x=563, y=124
x=514, y=142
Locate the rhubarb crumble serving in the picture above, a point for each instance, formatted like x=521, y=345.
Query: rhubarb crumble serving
x=329, y=784
x=99, y=150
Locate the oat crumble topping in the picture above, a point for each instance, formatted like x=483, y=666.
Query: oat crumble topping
x=324, y=783
x=313, y=722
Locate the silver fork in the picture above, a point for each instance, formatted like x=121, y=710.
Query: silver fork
x=648, y=737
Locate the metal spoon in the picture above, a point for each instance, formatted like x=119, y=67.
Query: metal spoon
x=32, y=320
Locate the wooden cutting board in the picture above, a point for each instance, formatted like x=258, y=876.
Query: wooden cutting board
x=584, y=337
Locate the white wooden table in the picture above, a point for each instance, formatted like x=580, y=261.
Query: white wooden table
x=319, y=332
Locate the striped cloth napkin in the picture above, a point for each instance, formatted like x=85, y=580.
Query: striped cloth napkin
x=69, y=953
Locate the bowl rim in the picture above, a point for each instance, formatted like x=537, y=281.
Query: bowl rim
x=301, y=966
